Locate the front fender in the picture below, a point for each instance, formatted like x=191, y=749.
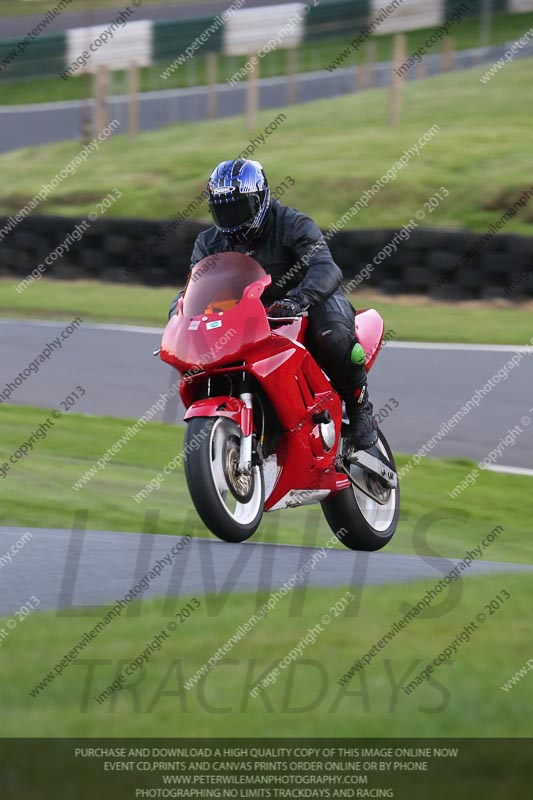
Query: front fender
x=231, y=407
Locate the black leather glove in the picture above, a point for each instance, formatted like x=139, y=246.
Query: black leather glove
x=287, y=307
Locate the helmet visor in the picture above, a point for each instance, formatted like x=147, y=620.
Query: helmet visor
x=233, y=212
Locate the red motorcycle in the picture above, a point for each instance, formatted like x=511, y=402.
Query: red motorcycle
x=265, y=427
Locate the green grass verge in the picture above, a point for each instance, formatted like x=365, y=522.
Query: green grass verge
x=481, y=154
x=313, y=55
x=37, y=491
x=410, y=319
x=462, y=698
x=16, y=8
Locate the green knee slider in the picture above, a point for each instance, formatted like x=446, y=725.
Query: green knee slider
x=358, y=355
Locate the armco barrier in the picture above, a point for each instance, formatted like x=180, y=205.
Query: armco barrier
x=158, y=254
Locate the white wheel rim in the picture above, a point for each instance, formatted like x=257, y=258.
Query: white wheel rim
x=241, y=513
x=379, y=517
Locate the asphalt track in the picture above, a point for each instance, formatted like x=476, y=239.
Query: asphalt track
x=66, y=570
x=42, y=123
x=430, y=383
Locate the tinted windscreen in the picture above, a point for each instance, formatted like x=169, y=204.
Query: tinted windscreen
x=230, y=213
x=217, y=283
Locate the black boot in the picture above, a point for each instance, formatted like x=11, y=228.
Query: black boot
x=363, y=428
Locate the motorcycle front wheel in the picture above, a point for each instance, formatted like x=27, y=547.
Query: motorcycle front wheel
x=230, y=505
x=359, y=521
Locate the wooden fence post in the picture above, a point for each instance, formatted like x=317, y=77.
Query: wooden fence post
x=212, y=76
x=371, y=59
x=447, y=53
x=397, y=81
x=292, y=73
x=101, y=93
x=133, y=103
x=252, y=95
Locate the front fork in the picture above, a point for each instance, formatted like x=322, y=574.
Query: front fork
x=245, y=459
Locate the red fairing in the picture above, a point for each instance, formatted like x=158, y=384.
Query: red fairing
x=369, y=329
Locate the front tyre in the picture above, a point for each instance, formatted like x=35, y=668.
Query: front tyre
x=359, y=521
x=229, y=504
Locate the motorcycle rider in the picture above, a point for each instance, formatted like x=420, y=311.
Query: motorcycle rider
x=291, y=248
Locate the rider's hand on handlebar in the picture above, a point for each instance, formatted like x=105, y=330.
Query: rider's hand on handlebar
x=287, y=307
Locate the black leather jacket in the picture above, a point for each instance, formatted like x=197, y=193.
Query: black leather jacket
x=291, y=249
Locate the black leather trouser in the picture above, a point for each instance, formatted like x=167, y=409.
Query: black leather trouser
x=330, y=338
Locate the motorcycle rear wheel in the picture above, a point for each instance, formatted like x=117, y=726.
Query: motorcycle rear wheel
x=357, y=520
x=229, y=504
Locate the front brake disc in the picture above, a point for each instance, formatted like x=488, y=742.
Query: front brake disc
x=240, y=485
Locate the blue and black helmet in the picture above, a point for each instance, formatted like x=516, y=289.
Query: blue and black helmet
x=238, y=196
